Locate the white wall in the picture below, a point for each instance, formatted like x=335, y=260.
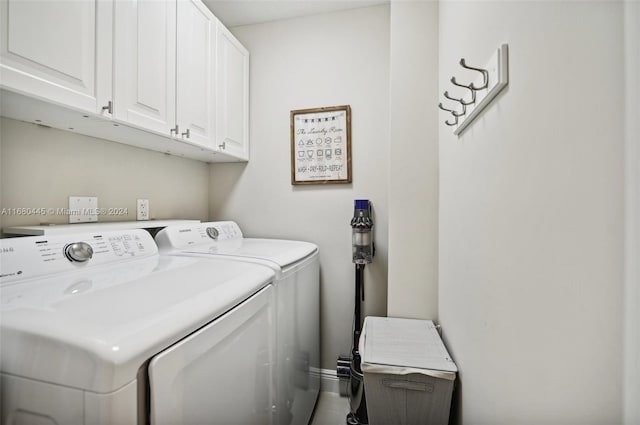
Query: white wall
x=531, y=215
x=632, y=214
x=323, y=60
x=413, y=161
x=41, y=167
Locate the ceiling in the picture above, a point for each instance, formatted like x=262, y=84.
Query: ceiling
x=234, y=13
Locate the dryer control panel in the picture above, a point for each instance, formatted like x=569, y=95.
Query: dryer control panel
x=27, y=257
x=222, y=230
x=181, y=237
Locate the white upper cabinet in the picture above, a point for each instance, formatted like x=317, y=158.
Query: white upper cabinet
x=144, y=64
x=232, y=95
x=58, y=51
x=195, y=114
x=163, y=75
x=164, y=68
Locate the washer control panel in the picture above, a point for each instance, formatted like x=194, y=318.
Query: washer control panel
x=78, y=251
x=32, y=256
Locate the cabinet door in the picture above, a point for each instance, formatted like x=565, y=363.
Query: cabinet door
x=196, y=32
x=144, y=64
x=57, y=51
x=232, y=95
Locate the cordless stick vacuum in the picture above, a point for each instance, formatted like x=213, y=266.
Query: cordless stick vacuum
x=363, y=251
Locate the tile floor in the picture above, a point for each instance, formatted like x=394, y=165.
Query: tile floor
x=331, y=409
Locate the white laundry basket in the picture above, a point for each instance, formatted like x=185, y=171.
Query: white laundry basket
x=408, y=373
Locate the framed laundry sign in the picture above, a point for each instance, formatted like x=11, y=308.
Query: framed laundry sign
x=321, y=145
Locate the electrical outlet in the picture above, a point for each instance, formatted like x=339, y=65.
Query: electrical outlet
x=143, y=209
x=83, y=209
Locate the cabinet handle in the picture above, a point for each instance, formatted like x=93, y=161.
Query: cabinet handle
x=223, y=146
x=108, y=108
x=187, y=133
x=175, y=130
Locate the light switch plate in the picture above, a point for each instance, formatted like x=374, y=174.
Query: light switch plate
x=83, y=209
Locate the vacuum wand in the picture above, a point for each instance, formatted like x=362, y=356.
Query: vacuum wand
x=362, y=254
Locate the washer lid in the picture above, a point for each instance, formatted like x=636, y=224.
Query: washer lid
x=225, y=238
x=402, y=346
x=94, y=328
x=282, y=253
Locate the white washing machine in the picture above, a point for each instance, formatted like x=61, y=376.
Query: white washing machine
x=99, y=329
x=296, y=265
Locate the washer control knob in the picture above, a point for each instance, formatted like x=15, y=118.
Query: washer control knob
x=78, y=252
x=212, y=232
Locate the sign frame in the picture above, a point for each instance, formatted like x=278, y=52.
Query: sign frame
x=321, y=145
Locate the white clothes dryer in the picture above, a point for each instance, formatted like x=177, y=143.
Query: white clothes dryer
x=99, y=329
x=297, y=286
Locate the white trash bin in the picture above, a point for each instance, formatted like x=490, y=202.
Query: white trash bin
x=408, y=373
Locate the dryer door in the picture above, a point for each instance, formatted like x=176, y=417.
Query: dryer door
x=221, y=374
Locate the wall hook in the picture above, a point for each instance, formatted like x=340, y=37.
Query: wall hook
x=485, y=75
x=443, y=108
x=452, y=111
x=473, y=92
x=461, y=100
x=455, y=116
x=452, y=123
x=459, y=114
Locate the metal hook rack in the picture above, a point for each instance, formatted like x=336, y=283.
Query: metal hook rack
x=489, y=82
